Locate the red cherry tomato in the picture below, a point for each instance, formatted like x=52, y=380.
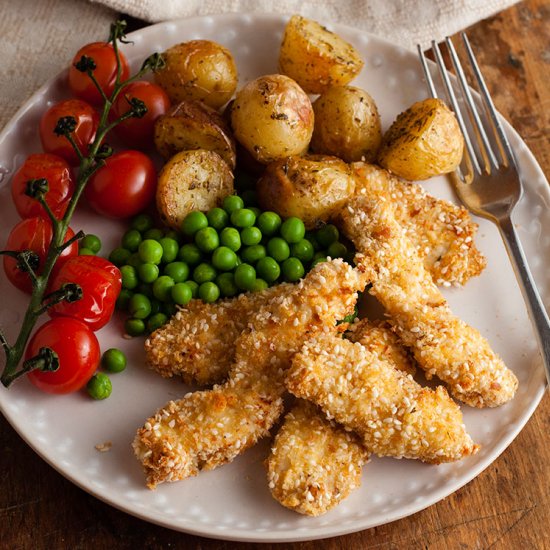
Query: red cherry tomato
x=76, y=347
x=100, y=281
x=124, y=186
x=138, y=132
x=87, y=121
x=103, y=54
x=33, y=234
x=60, y=183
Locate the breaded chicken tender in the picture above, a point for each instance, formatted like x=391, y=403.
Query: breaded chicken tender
x=442, y=232
x=209, y=428
x=393, y=415
x=443, y=345
x=314, y=463
x=198, y=343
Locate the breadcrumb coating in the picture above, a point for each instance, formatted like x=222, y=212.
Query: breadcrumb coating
x=442, y=232
x=314, y=463
x=393, y=415
x=209, y=428
x=442, y=344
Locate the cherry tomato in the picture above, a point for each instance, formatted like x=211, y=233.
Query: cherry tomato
x=100, y=281
x=77, y=349
x=138, y=132
x=87, y=121
x=103, y=54
x=124, y=186
x=60, y=183
x=33, y=234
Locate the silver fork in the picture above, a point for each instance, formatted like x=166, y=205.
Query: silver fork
x=488, y=181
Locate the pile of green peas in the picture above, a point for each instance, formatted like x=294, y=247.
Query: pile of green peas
x=218, y=254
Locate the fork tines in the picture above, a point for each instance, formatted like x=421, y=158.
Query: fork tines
x=481, y=144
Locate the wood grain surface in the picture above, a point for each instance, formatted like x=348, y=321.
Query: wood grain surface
x=505, y=507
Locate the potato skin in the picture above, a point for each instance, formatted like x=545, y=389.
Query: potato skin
x=423, y=141
x=199, y=70
x=272, y=118
x=192, y=125
x=312, y=188
x=347, y=124
x=316, y=57
x=192, y=180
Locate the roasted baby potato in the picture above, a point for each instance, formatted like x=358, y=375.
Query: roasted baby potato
x=316, y=57
x=192, y=180
x=272, y=118
x=192, y=125
x=312, y=188
x=423, y=141
x=347, y=124
x=199, y=70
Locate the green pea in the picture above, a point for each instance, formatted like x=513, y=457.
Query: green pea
x=231, y=238
x=204, y=273
x=224, y=258
x=207, y=239
x=148, y=272
x=179, y=271
x=245, y=275
x=123, y=298
x=131, y=240
x=99, y=386
x=170, y=249
x=337, y=250
x=193, y=222
x=134, y=260
x=320, y=254
x=154, y=233
x=327, y=235
x=172, y=234
x=142, y=222
x=150, y=251
x=181, y=294
x=231, y=203
x=251, y=236
x=139, y=306
x=250, y=197
x=259, y=284
x=226, y=284
x=168, y=308
x=243, y=217
x=162, y=288
x=311, y=237
x=155, y=305
x=218, y=218
x=293, y=269
x=252, y=254
x=278, y=248
x=293, y=230
x=303, y=250
x=113, y=360
x=85, y=252
x=190, y=254
x=92, y=242
x=268, y=223
x=129, y=277
x=194, y=286
x=209, y=292
x=134, y=327
x=119, y=256
x=317, y=261
x=255, y=210
x=156, y=321
x=268, y=269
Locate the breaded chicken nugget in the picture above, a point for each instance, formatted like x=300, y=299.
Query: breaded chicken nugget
x=393, y=414
x=314, y=463
x=442, y=232
x=442, y=344
x=206, y=429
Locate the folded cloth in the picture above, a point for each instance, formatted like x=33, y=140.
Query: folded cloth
x=403, y=22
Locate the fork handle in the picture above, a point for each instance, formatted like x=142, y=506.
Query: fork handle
x=535, y=307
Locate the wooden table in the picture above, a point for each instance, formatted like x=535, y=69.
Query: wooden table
x=506, y=507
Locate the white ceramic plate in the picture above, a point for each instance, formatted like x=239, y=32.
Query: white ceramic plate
x=233, y=502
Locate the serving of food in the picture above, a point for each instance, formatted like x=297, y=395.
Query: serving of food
x=284, y=203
